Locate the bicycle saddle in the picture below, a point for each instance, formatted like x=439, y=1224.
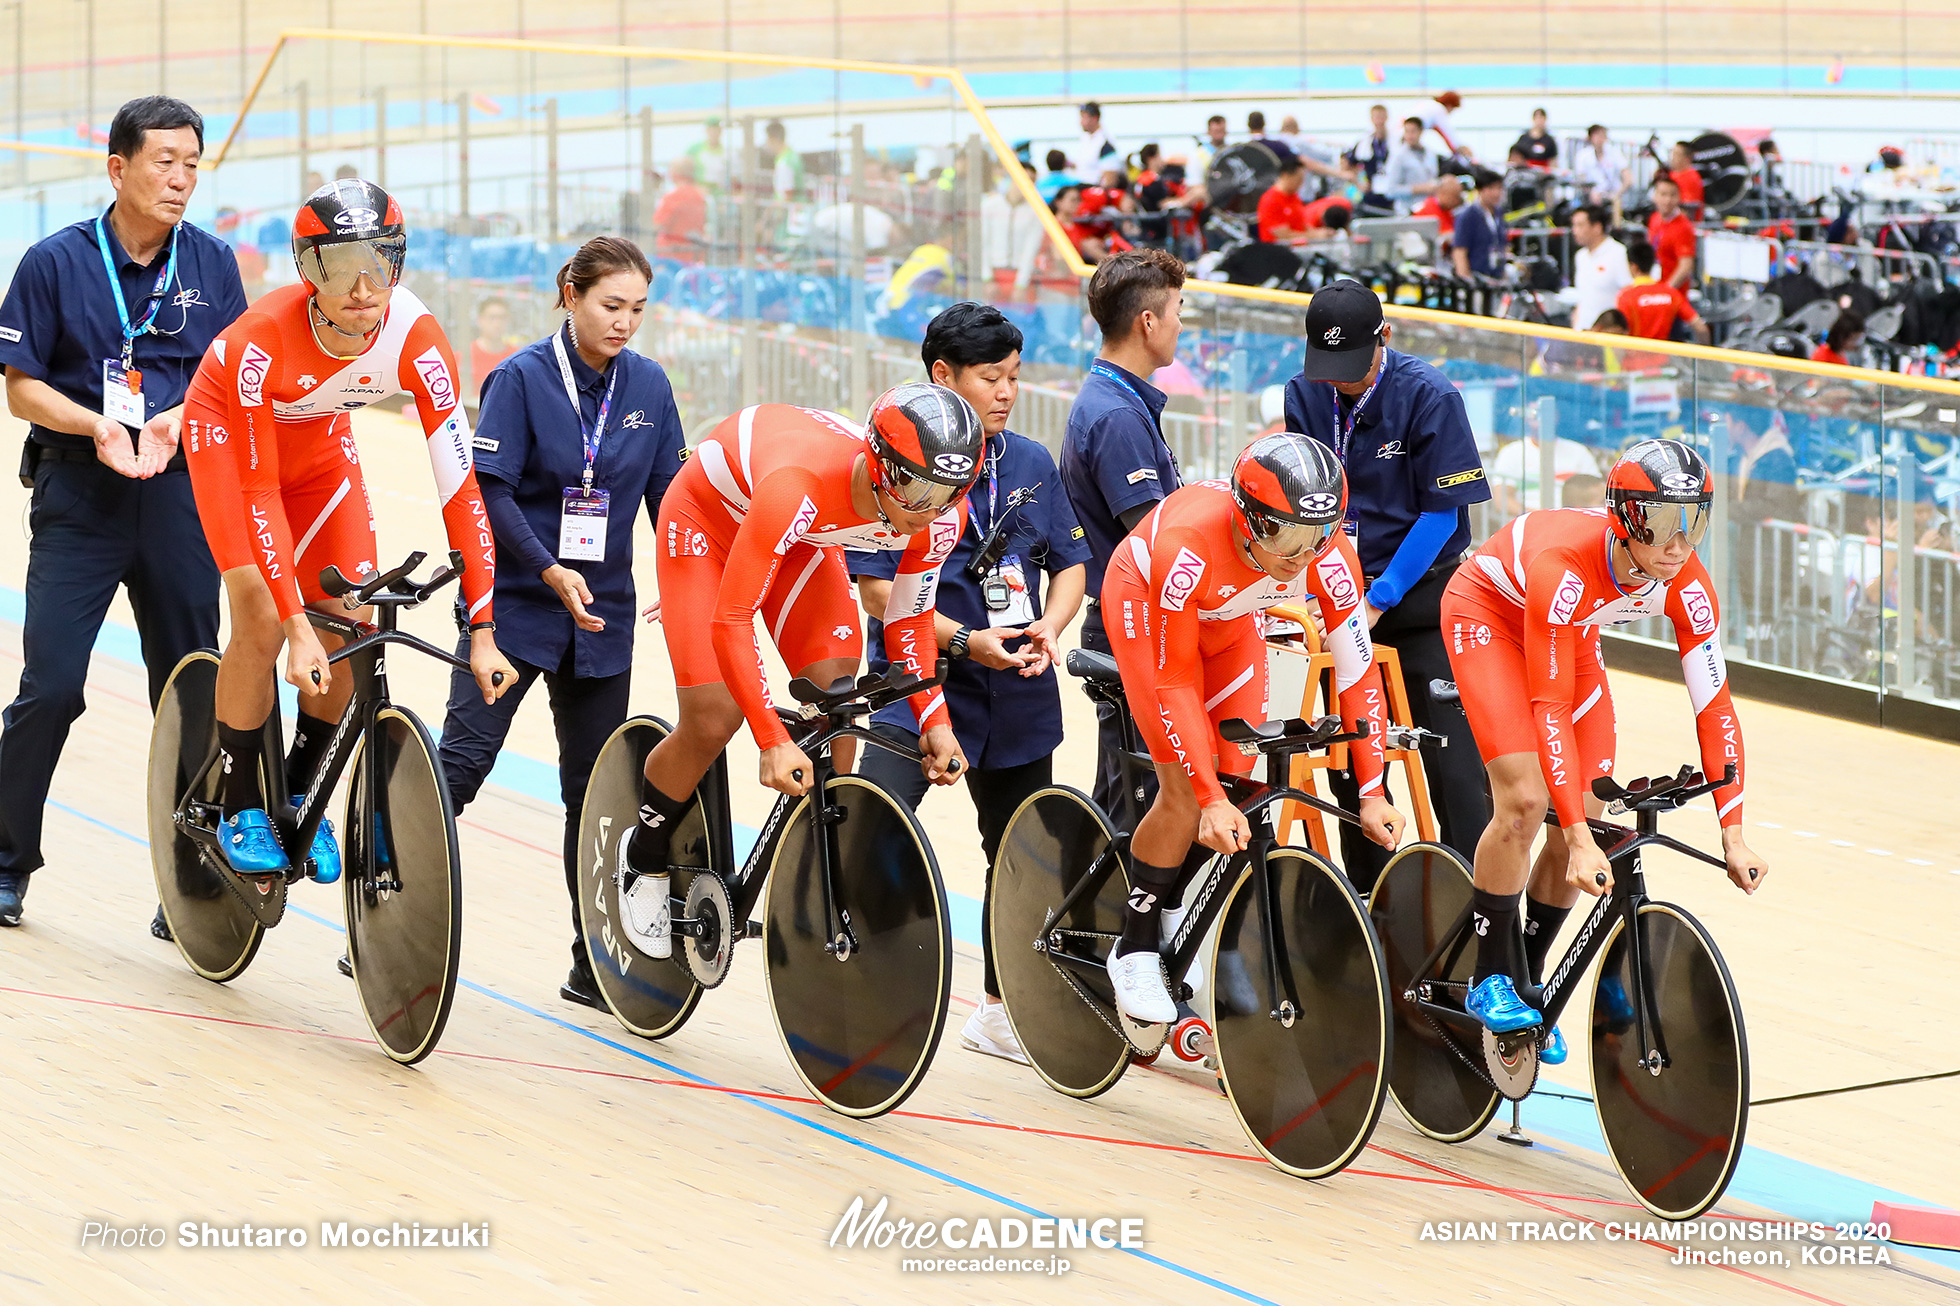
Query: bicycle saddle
x=1097, y=667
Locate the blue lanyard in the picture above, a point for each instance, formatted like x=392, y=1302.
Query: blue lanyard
x=993, y=489
x=129, y=333
x=588, y=436
x=1343, y=434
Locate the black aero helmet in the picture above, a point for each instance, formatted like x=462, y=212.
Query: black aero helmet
x=347, y=229
x=1291, y=493
x=1658, y=488
x=926, y=444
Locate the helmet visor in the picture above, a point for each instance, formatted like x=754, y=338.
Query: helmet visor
x=1656, y=521
x=914, y=493
x=335, y=268
x=1287, y=540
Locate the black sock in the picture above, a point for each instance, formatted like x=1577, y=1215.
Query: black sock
x=1541, y=926
x=311, y=736
x=646, y=852
x=1494, y=916
x=238, y=756
x=1150, y=888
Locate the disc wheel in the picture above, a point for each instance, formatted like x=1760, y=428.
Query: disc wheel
x=1069, y=1035
x=1421, y=892
x=215, y=930
x=1307, y=1088
x=651, y=996
x=1675, y=1136
x=860, y=1025
x=403, y=886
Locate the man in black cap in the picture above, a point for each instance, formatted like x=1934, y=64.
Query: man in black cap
x=1400, y=429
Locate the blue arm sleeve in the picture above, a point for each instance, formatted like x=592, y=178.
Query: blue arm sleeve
x=507, y=523
x=1416, y=556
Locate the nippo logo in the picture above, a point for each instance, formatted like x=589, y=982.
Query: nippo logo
x=1565, y=600
x=435, y=375
x=1699, y=607
x=1179, y=582
x=1337, y=581
x=252, y=367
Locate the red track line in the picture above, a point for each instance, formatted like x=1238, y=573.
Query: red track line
x=1447, y=1179
x=1319, y=1103
x=1708, y=1145
x=522, y=843
x=407, y=1006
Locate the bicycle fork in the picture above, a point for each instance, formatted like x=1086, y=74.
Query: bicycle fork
x=840, y=941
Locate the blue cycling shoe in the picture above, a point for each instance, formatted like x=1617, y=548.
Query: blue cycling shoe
x=249, y=844
x=1613, y=996
x=1553, y=1053
x=1497, y=1004
x=325, y=851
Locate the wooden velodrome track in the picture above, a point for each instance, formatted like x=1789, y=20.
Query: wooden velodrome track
x=137, y=1094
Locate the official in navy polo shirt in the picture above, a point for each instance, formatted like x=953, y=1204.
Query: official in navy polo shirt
x=1413, y=470
x=100, y=334
x=575, y=433
x=1115, y=464
x=1001, y=637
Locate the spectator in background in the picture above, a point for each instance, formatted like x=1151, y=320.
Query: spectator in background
x=1442, y=205
x=1771, y=158
x=1321, y=162
x=1844, y=341
x=1167, y=192
x=1514, y=471
x=310, y=183
x=1681, y=167
x=1094, y=148
x=1088, y=240
x=1255, y=129
x=1671, y=233
x=1369, y=155
x=1411, y=169
x=1600, y=169
x=1610, y=323
x=1215, y=140
x=1329, y=216
x=1479, y=245
x=1282, y=213
x=1058, y=176
x=680, y=220
x=347, y=172
x=785, y=164
x=1581, y=490
x=1437, y=118
x=711, y=169
x=1599, y=265
x=492, y=343
x=1536, y=146
x=1652, y=308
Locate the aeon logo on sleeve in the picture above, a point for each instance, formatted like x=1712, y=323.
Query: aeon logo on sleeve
x=806, y=513
x=252, y=368
x=435, y=375
x=1181, y=580
x=1565, y=600
x=1699, y=607
x=1337, y=580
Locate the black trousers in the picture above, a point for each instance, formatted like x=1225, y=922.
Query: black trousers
x=997, y=793
x=92, y=531
x=585, y=709
x=1108, y=792
x=1413, y=628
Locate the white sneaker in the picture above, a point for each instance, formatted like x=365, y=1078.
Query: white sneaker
x=1141, y=993
x=988, y=1032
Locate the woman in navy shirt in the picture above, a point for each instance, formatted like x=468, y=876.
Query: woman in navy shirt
x=576, y=431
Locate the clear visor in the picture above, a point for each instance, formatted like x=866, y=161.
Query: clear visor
x=335, y=268
x=1654, y=521
x=917, y=494
x=1287, y=540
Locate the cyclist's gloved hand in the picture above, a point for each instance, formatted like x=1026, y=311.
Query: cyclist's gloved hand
x=941, y=748
x=788, y=770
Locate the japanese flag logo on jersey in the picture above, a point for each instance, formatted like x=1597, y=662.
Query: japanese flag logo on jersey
x=252, y=367
x=435, y=375
x=1337, y=580
x=1565, y=600
x=806, y=513
x=1181, y=580
x=1699, y=607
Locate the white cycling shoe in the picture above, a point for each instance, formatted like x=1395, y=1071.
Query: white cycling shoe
x=988, y=1032
x=1141, y=991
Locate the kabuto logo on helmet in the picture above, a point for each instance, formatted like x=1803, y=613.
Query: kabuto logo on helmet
x=953, y=464
x=1319, y=503
x=1681, y=482
x=356, y=218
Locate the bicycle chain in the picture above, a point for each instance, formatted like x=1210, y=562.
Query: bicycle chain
x=1090, y=1000
x=236, y=883
x=1476, y=1068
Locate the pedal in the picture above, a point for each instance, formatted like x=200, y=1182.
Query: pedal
x=1146, y=1040
x=1511, y=1061
x=753, y=930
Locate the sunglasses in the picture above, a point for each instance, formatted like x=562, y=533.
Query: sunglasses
x=335, y=269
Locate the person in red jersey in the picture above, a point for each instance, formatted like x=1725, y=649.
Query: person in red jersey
x=1522, y=616
x=280, y=494
x=750, y=526
x=1181, y=601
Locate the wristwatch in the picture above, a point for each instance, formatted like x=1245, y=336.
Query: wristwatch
x=482, y=625
x=956, y=646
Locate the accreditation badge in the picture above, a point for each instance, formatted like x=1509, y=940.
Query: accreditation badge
x=122, y=393
x=582, y=524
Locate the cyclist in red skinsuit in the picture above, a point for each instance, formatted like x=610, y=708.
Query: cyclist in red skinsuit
x=279, y=488
x=1180, y=601
x=753, y=525
x=1523, y=617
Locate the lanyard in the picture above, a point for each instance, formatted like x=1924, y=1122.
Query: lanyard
x=993, y=489
x=129, y=333
x=588, y=437
x=1343, y=434
x=1107, y=371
